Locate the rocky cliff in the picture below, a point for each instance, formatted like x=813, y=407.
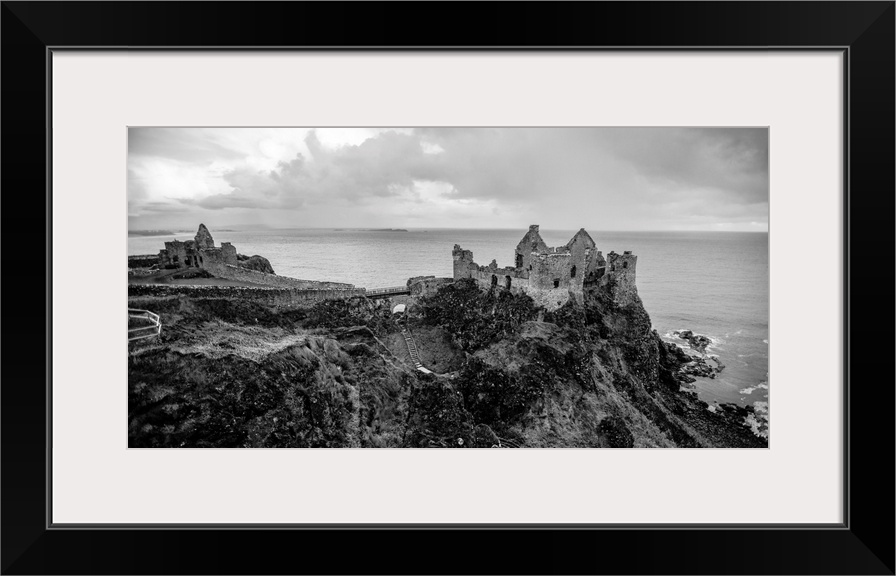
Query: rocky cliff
x=507, y=374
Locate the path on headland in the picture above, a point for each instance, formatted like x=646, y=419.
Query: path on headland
x=412, y=349
x=405, y=332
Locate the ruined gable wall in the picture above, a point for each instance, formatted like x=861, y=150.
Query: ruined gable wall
x=531, y=242
x=582, y=249
x=203, y=238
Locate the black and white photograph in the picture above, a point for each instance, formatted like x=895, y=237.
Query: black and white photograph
x=587, y=287
x=527, y=226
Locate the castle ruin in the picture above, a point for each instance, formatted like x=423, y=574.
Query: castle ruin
x=197, y=253
x=224, y=262
x=551, y=276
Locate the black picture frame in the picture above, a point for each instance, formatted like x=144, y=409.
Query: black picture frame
x=864, y=31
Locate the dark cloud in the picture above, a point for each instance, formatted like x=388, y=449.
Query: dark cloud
x=179, y=144
x=376, y=168
x=605, y=178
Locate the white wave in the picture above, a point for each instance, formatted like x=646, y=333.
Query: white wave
x=765, y=341
x=758, y=427
x=671, y=335
x=751, y=389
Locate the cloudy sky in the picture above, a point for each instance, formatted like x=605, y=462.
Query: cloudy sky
x=560, y=178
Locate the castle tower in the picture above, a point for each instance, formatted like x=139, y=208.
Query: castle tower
x=463, y=262
x=621, y=274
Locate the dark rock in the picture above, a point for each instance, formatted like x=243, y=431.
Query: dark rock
x=697, y=341
x=257, y=263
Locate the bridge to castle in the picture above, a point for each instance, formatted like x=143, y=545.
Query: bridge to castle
x=387, y=292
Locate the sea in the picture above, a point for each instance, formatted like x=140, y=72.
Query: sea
x=712, y=283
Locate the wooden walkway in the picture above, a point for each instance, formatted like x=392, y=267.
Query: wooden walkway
x=386, y=292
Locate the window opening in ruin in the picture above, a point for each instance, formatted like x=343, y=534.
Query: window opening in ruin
x=519, y=260
x=556, y=282
x=494, y=280
x=625, y=264
x=507, y=282
x=572, y=272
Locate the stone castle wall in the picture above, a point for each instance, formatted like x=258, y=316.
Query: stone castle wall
x=486, y=277
x=549, y=269
x=178, y=254
x=276, y=297
x=226, y=254
x=553, y=276
x=426, y=285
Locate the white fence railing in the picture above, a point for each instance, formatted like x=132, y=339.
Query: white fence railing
x=153, y=327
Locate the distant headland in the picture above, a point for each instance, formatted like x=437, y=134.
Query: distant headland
x=150, y=233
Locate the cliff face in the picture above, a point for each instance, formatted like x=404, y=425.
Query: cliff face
x=589, y=374
x=593, y=373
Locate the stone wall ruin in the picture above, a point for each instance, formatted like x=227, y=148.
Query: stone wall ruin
x=222, y=262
